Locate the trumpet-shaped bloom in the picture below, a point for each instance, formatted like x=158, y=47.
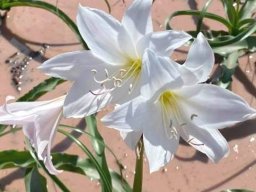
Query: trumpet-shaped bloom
x=111, y=70
x=39, y=121
x=174, y=105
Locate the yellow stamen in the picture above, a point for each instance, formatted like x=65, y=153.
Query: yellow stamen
x=133, y=68
x=171, y=112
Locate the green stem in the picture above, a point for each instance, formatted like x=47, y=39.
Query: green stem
x=138, y=178
x=56, y=181
x=106, y=183
x=98, y=145
x=53, y=177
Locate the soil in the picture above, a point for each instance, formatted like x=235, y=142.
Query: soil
x=27, y=29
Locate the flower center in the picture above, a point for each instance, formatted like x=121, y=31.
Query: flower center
x=130, y=71
x=170, y=112
x=134, y=68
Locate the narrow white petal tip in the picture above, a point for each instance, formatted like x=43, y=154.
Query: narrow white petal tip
x=54, y=172
x=154, y=169
x=200, y=35
x=227, y=153
x=9, y=98
x=80, y=7
x=251, y=116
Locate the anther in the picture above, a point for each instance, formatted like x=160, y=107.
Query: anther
x=196, y=144
x=193, y=116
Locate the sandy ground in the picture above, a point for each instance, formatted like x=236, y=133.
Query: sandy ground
x=26, y=29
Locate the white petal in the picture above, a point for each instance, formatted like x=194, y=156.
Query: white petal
x=208, y=141
x=159, y=148
x=100, y=32
x=126, y=117
x=125, y=93
x=46, y=131
x=87, y=96
x=80, y=102
x=158, y=74
x=70, y=65
x=200, y=60
x=39, y=121
x=211, y=106
x=131, y=138
x=163, y=43
x=126, y=43
x=137, y=19
x=24, y=112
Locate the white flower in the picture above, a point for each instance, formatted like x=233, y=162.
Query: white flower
x=174, y=105
x=39, y=121
x=111, y=70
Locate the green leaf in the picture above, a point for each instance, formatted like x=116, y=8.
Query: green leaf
x=228, y=69
x=98, y=145
x=73, y=163
x=232, y=60
x=119, y=184
x=105, y=179
x=248, y=44
x=202, y=15
x=34, y=181
x=233, y=39
x=13, y=159
x=247, y=9
x=138, y=178
x=197, y=13
x=42, y=88
x=230, y=11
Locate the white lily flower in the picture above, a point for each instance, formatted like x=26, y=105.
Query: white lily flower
x=39, y=121
x=173, y=105
x=111, y=70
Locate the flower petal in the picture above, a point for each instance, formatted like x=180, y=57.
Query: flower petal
x=211, y=106
x=137, y=19
x=163, y=43
x=158, y=73
x=39, y=121
x=131, y=138
x=159, y=148
x=70, y=65
x=208, y=141
x=126, y=43
x=200, y=60
x=45, y=130
x=100, y=32
x=126, y=117
x=88, y=95
x=80, y=102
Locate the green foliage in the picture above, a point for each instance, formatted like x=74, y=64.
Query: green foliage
x=62, y=161
x=34, y=181
x=238, y=39
x=12, y=159
x=41, y=89
x=98, y=145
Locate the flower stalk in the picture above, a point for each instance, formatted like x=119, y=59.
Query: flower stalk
x=138, y=178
